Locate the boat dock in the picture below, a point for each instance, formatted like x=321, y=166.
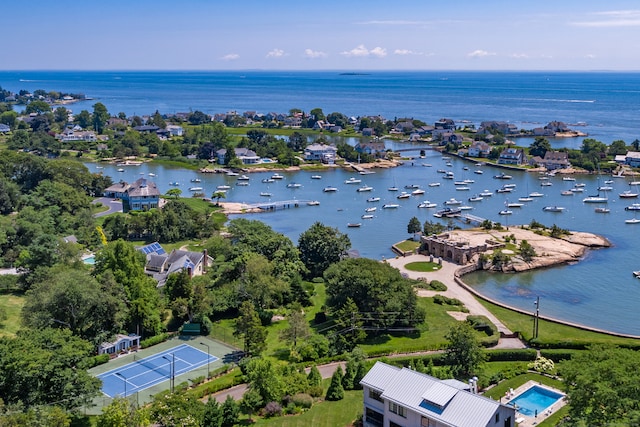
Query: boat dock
x=283, y=204
x=472, y=219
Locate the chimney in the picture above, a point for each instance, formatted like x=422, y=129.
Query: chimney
x=205, y=262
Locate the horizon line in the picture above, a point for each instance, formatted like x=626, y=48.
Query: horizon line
x=340, y=70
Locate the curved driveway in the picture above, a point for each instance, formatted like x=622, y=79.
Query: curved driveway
x=113, y=205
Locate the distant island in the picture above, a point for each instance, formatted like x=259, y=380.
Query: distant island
x=355, y=74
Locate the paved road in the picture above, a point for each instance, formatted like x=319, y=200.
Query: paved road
x=113, y=205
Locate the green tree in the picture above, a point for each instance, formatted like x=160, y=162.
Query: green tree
x=463, y=352
x=430, y=228
x=297, y=141
x=251, y=402
x=527, y=252
x=320, y=246
x=539, y=146
x=230, y=412
x=213, y=415
x=38, y=107
x=414, y=226
x=174, y=193
x=121, y=413
x=314, y=378
x=298, y=329
x=218, y=195
x=83, y=119
x=617, y=147
x=335, y=390
x=262, y=376
x=250, y=329
x=99, y=117
x=176, y=410
x=43, y=366
x=602, y=385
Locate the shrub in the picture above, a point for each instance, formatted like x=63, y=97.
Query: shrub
x=302, y=400
x=272, y=409
x=90, y=362
x=315, y=391
x=436, y=285
x=559, y=354
x=543, y=365
x=442, y=300
x=336, y=391
x=156, y=339
x=511, y=355
x=482, y=323
x=198, y=380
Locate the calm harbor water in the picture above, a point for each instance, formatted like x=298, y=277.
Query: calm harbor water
x=598, y=291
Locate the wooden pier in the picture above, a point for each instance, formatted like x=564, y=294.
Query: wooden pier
x=277, y=205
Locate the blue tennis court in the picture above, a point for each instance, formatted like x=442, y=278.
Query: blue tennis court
x=144, y=373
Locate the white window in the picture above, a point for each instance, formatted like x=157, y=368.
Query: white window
x=397, y=409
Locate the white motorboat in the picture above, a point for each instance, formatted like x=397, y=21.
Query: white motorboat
x=352, y=180
x=632, y=221
x=265, y=194
x=373, y=199
x=515, y=205
x=277, y=176
x=553, y=208
x=505, y=212
x=525, y=199
x=294, y=185
x=223, y=187
x=427, y=205
x=243, y=178
x=486, y=193
x=329, y=189
x=628, y=194
x=633, y=207
x=195, y=188
x=371, y=209
x=417, y=192
x=390, y=206
x=476, y=198
x=364, y=188
x=369, y=216
x=602, y=210
x=268, y=180
x=313, y=203
x=536, y=194
x=403, y=195
x=316, y=177
x=434, y=184
x=452, y=202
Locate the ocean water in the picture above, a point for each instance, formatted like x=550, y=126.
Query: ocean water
x=599, y=291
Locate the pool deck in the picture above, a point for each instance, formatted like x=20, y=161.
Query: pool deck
x=526, y=421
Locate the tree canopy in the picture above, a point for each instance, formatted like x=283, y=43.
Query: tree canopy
x=320, y=246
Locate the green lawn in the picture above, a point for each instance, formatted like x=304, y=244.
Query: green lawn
x=407, y=245
x=323, y=414
x=12, y=305
x=550, y=331
x=423, y=266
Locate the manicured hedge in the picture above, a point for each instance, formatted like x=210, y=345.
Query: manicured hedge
x=482, y=323
x=558, y=355
x=90, y=362
x=511, y=355
x=156, y=339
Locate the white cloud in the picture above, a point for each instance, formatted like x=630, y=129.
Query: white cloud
x=362, y=51
x=519, y=55
x=590, y=56
x=612, y=18
x=480, y=54
x=404, y=52
x=309, y=53
x=230, y=57
x=276, y=53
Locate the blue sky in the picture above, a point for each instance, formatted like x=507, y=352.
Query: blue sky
x=327, y=35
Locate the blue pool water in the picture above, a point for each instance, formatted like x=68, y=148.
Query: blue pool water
x=535, y=400
x=89, y=260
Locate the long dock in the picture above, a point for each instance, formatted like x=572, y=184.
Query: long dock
x=283, y=204
x=471, y=219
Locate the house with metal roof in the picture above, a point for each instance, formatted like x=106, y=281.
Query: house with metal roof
x=141, y=195
x=161, y=264
x=396, y=397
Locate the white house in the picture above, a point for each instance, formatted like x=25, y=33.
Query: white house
x=246, y=156
x=479, y=149
x=175, y=130
x=396, y=397
x=321, y=152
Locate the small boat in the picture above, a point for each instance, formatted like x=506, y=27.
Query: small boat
x=525, y=199
x=595, y=199
x=411, y=186
x=509, y=186
x=441, y=171
x=196, y=180
x=195, y=188
x=242, y=183
x=417, y=192
x=277, y=176
x=465, y=208
x=449, y=164
x=504, y=190
x=354, y=224
x=580, y=184
x=427, y=205
x=373, y=199
x=243, y=178
x=505, y=212
x=577, y=190
x=268, y=180
x=120, y=170
x=448, y=213
x=632, y=221
x=448, y=175
x=602, y=210
x=316, y=177
x=515, y=205
x=476, y=198
x=313, y=203
x=486, y=193
x=352, y=180
x=628, y=194
x=223, y=187
x=434, y=184
x=390, y=206
x=634, y=183
x=403, y=195
x=428, y=165
x=566, y=193
x=394, y=188
x=546, y=184
x=232, y=173
x=636, y=274
x=609, y=181
x=364, y=188
x=366, y=172
x=174, y=183
x=102, y=167
x=369, y=216
x=371, y=209
x=633, y=207
x=568, y=178
x=466, y=168
x=265, y=194
x=446, y=158
x=536, y=194
x=463, y=188
x=553, y=208
x=605, y=188
x=468, y=181
x=459, y=183
x=294, y=185
x=152, y=174
x=452, y=202
x=502, y=176
x=329, y=189
x=478, y=171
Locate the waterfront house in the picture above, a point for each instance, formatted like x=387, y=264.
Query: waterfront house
x=160, y=264
x=175, y=130
x=142, y=195
x=71, y=135
x=403, y=397
x=405, y=127
x=479, y=149
x=557, y=127
x=321, y=152
x=293, y=121
x=246, y=156
x=446, y=124
x=553, y=160
x=493, y=127
x=632, y=158
x=375, y=148
x=367, y=132
x=511, y=156
x=146, y=129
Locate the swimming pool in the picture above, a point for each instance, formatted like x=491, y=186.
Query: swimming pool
x=535, y=400
x=90, y=260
